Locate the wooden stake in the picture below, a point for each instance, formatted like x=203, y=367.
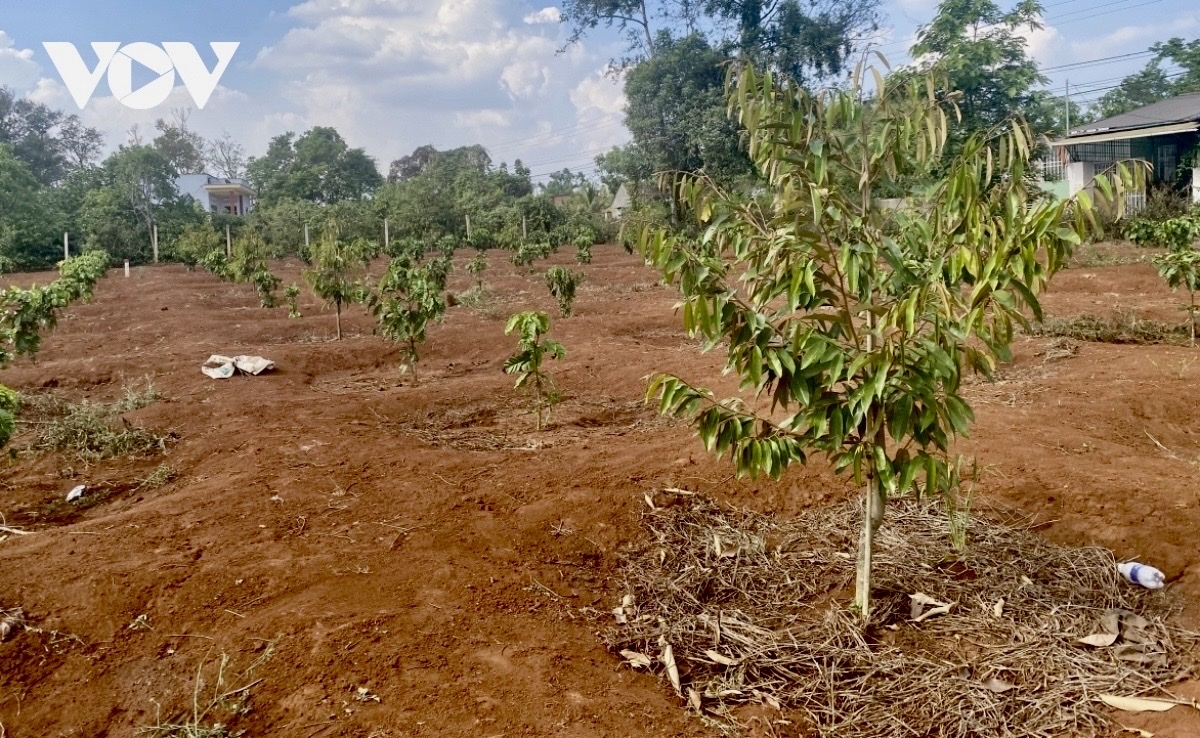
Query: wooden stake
x=387, y=237
x=154, y=241
x=306, y=237
x=228, y=242
x=468, y=227
x=127, y=269
x=524, y=229
x=66, y=246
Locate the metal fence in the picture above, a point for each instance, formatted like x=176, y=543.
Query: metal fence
x=1052, y=169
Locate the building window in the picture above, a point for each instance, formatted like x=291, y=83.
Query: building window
x=1165, y=166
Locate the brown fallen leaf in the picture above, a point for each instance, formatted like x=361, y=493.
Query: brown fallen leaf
x=1100, y=639
x=998, y=685
x=721, y=658
x=668, y=659
x=694, y=699
x=1136, y=704
x=636, y=659
x=1139, y=731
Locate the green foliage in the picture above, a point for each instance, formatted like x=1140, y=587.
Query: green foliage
x=528, y=252
x=25, y=314
x=849, y=326
x=562, y=283
x=807, y=42
x=1180, y=267
x=476, y=267
x=10, y=403
x=217, y=263
x=292, y=295
x=407, y=299
x=1175, y=233
x=265, y=283
x=528, y=362
x=983, y=52
x=676, y=110
x=318, y=167
x=338, y=269
x=583, y=253
x=195, y=243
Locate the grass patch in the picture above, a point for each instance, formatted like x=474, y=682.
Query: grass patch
x=215, y=702
x=482, y=300
x=1125, y=327
x=1092, y=257
x=163, y=474
x=90, y=430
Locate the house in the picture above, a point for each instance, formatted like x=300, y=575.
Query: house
x=621, y=202
x=1162, y=134
x=562, y=200
x=218, y=195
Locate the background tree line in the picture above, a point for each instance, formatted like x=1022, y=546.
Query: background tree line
x=674, y=63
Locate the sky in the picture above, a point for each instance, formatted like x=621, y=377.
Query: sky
x=392, y=75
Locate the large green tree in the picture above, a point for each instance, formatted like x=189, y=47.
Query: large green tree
x=983, y=53
x=676, y=110
x=319, y=166
x=50, y=143
x=806, y=40
x=28, y=226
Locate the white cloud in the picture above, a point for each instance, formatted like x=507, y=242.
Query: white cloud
x=1047, y=46
x=599, y=102
x=18, y=69
x=1133, y=37
x=395, y=74
x=545, y=15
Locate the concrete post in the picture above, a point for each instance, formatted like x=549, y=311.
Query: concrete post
x=1196, y=185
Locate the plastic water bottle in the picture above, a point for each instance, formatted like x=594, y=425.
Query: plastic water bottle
x=1147, y=576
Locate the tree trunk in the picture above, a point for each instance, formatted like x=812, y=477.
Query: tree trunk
x=872, y=518
x=339, y=321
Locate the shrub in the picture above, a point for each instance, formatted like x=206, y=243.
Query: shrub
x=528, y=362
x=562, y=283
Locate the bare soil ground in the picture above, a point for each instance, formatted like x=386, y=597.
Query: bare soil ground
x=346, y=528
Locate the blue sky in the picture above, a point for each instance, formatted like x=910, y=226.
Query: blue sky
x=392, y=75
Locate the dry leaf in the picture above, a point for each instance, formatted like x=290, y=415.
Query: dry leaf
x=619, y=614
x=668, y=659
x=1139, y=731
x=1099, y=639
x=998, y=608
x=999, y=686
x=650, y=501
x=722, y=659
x=1134, y=620
x=636, y=659
x=628, y=600
x=1136, y=704
x=694, y=699
x=1111, y=621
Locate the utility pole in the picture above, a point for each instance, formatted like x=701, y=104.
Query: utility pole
x=1067, y=106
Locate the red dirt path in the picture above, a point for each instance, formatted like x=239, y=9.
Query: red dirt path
x=423, y=542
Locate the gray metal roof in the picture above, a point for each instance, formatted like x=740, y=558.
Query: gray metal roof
x=1179, y=109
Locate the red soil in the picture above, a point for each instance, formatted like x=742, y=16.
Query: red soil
x=423, y=542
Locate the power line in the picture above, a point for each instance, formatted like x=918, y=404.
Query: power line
x=504, y=145
x=1095, y=62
